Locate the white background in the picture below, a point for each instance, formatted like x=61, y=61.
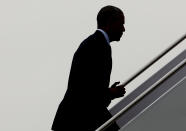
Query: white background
x=39, y=37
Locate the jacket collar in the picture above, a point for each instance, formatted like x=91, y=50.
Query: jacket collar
x=105, y=35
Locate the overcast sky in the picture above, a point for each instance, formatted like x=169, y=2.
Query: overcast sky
x=39, y=37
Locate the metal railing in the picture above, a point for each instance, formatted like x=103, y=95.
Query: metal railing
x=115, y=117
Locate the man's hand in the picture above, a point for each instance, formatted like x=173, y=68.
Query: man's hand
x=117, y=91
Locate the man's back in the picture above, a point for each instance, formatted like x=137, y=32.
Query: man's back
x=87, y=96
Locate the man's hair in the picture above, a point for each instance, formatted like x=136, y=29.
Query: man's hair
x=107, y=13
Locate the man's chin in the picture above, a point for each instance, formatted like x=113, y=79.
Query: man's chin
x=118, y=39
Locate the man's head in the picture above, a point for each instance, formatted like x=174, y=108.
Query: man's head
x=111, y=19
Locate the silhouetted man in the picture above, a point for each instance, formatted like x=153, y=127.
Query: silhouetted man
x=84, y=107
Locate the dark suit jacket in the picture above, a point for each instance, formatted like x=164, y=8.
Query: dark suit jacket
x=84, y=106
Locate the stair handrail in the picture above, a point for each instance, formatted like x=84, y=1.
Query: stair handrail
x=140, y=71
x=115, y=117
